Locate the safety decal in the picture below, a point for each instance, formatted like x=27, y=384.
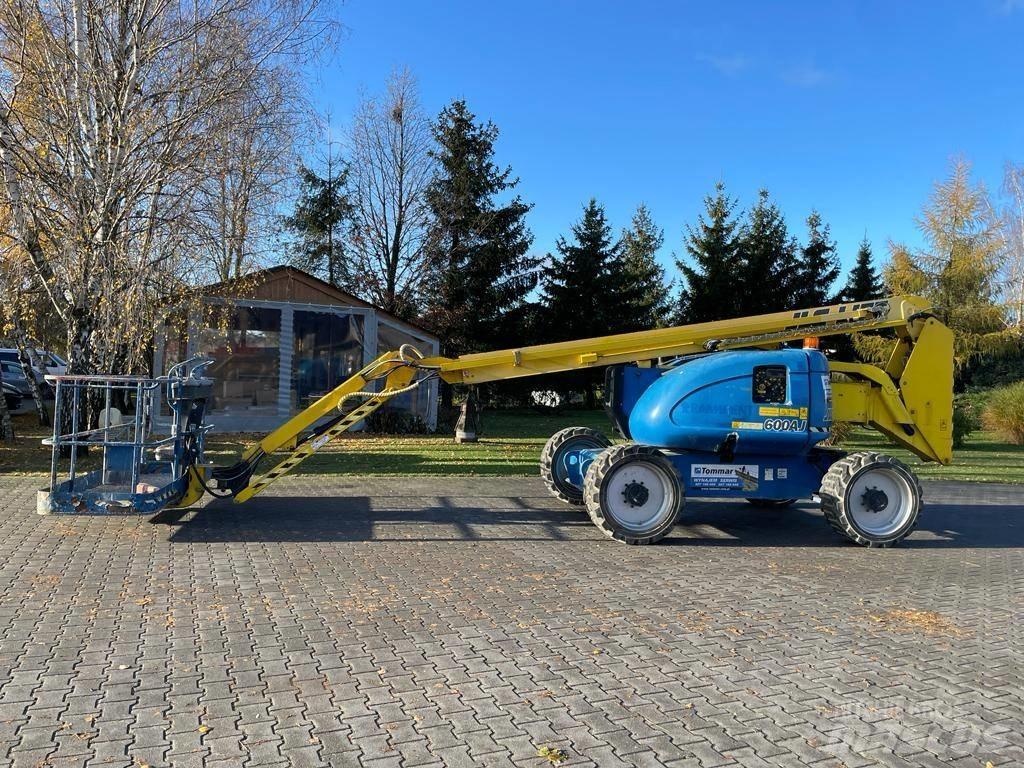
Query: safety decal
x=826, y=385
x=742, y=477
x=747, y=425
x=771, y=410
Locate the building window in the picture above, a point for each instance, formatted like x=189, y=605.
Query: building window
x=328, y=348
x=244, y=343
x=390, y=338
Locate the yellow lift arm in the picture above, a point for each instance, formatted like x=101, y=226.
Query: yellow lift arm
x=910, y=399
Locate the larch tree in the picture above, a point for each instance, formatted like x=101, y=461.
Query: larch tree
x=647, y=296
x=390, y=170
x=959, y=265
x=712, y=273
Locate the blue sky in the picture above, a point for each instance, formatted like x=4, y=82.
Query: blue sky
x=853, y=108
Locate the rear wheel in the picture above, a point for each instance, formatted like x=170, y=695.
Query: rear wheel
x=633, y=494
x=872, y=499
x=552, y=460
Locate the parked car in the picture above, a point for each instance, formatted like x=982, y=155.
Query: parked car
x=13, y=374
x=44, y=362
x=12, y=397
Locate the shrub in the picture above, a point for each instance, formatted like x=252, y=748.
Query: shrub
x=966, y=418
x=1004, y=413
x=839, y=433
x=388, y=421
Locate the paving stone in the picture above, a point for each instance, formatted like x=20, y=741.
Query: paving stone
x=469, y=622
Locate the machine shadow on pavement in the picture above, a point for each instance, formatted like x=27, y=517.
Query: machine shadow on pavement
x=419, y=518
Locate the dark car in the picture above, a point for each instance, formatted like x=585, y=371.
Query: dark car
x=12, y=396
x=11, y=373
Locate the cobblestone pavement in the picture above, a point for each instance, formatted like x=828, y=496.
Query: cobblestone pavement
x=394, y=622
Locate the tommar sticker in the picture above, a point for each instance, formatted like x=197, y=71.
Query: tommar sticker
x=742, y=477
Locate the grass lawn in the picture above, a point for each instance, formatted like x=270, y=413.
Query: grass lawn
x=510, y=446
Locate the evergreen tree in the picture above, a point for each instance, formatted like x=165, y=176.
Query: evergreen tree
x=646, y=293
x=768, y=276
x=320, y=213
x=817, y=266
x=582, y=289
x=711, y=279
x=863, y=282
x=477, y=246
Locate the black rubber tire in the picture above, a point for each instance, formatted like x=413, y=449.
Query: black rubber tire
x=772, y=503
x=836, y=484
x=594, y=487
x=576, y=437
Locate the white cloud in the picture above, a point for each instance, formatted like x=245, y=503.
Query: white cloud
x=730, y=65
x=805, y=75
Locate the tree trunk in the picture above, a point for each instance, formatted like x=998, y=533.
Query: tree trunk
x=6, y=428
x=80, y=346
x=26, y=368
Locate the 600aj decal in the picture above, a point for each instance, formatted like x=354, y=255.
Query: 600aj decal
x=785, y=425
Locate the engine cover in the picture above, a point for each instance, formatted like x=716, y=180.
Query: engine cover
x=776, y=402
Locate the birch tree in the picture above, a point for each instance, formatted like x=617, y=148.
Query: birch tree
x=1012, y=275
x=109, y=114
x=389, y=172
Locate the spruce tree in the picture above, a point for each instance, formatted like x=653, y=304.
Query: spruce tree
x=769, y=264
x=817, y=266
x=863, y=282
x=646, y=294
x=578, y=284
x=582, y=294
x=711, y=279
x=478, y=246
x=322, y=208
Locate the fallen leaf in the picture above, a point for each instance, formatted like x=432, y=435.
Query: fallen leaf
x=553, y=755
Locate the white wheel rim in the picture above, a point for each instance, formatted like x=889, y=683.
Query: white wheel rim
x=885, y=488
x=631, y=515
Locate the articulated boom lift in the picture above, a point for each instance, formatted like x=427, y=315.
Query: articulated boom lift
x=719, y=409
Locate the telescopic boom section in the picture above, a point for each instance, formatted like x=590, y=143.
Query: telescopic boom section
x=909, y=399
x=745, y=332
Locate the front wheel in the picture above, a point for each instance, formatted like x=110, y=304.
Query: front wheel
x=872, y=499
x=633, y=494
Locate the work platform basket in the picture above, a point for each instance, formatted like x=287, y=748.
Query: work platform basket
x=109, y=461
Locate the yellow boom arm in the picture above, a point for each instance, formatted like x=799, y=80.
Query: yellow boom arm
x=910, y=399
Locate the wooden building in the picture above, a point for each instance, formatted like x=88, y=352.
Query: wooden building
x=280, y=339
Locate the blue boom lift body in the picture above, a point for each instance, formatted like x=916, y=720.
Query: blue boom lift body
x=734, y=424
